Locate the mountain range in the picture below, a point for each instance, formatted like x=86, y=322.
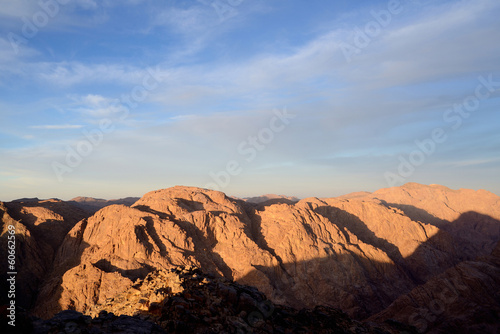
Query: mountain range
x=415, y=258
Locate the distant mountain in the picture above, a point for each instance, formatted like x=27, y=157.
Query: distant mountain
x=269, y=197
x=93, y=205
x=375, y=256
x=32, y=199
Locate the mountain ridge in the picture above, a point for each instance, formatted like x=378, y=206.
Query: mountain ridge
x=356, y=253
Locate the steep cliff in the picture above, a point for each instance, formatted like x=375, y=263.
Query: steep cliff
x=357, y=254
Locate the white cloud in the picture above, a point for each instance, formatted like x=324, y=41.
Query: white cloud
x=473, y=162
x=13, y=56
x=87, y=4
x=205, y=110
x=451, y=41
x=439, y=46
x=57, y=127
x=184, y=20
x=18, y=8
x=95, y=105
x=72, y=73
x=95, y=100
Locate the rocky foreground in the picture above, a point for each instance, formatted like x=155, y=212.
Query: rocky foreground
x=416, y=255
x=185, y=300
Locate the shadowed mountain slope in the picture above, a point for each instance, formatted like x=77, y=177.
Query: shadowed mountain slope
x=463, y=299
x=186, y=300
x=368, y=254
x=357, y=254
x=40, y=227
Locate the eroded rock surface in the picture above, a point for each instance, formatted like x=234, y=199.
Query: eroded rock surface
x=378, y=255
x=185, y=300
x=357, y=254
x=464, y=299
x=40, y=227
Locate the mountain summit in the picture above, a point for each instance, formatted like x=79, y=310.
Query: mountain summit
x=362, y=253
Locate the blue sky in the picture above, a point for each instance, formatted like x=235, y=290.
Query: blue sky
x=320, y=98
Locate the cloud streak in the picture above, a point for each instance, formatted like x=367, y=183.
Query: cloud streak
x=353, y=118
x=57, y=127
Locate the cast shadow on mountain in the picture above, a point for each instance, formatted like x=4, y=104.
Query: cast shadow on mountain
x=311, y=281
x=132, y=274
x=255, y=232
x=315, y=277
x=189, y=205
x=189, y=229
x=56, y=275
x=27, y=280
x=476, y=233
x=154, y=235
x=417, y=214
x=146, y=208
x=364, y=304
x=70, y=212
x=36, y=246
x=345, y=220
x=51, y=231
x=29, y=287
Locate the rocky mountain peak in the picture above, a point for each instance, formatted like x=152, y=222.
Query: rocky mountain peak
x=358, y=253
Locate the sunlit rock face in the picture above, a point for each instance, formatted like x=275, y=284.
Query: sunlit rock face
x=358, y=252
x=40, y=227
x=186, y=300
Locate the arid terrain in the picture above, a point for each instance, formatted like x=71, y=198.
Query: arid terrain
x=415, y=258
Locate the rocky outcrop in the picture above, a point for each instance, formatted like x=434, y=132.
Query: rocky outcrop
x=470, y=216
x=186, y=300
x=104, y=254
x=357, y=253
x=48, y=220
x=75, y=322
x=385, y=255
x=464, y=299
x=29, y=261
x=435, y=203
x=40, y=227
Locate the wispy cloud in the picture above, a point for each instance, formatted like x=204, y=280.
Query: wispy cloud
x=193, y=20
x=94, y=106
x=57, y=127
x=221, y=81
x=17, y=8
x=475, y=162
